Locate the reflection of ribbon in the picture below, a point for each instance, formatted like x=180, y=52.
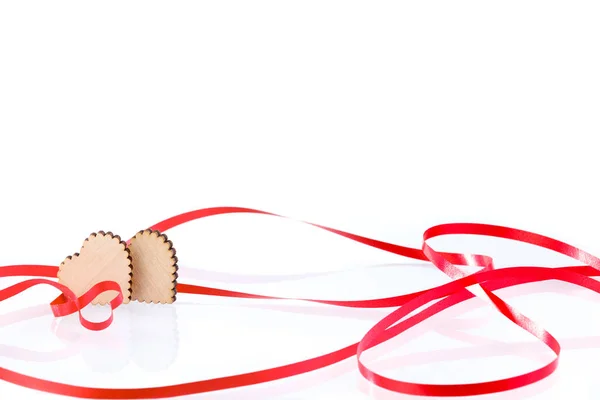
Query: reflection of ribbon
x=392, y=325
x=17, y=353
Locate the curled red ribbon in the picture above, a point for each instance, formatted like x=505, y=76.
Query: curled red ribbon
x=448, y=295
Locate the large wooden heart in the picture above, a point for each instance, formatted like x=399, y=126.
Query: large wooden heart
x=103, y=257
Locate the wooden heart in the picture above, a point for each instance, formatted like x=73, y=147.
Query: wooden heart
x=103, y=257
x=154, y=268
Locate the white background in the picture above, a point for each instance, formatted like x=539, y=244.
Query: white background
x=381, y=118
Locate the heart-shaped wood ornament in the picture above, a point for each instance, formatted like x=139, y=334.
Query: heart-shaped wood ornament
x=154, y=268
x=103, y=257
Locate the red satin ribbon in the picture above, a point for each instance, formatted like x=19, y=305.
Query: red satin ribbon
x=452, y=293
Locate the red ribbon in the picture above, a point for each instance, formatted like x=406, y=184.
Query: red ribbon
x=448, y=295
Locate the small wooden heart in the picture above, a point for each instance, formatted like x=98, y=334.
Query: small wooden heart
x=154, y=268
x=103, y=257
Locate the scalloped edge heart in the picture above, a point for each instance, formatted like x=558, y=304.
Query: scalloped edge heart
x=154, y=268
x=103, y=261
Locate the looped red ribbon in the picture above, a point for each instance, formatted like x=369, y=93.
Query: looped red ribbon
x=448, y=295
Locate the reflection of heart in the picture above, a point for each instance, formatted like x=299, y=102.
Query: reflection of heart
x=153, y=326
x=154, y=268
x=103, y=257
x=141, y=327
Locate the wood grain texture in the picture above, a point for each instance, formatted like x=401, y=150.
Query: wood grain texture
x=103, y=257
x=154, y=268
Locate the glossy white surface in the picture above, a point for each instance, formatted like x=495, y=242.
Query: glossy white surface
x=202, y=337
